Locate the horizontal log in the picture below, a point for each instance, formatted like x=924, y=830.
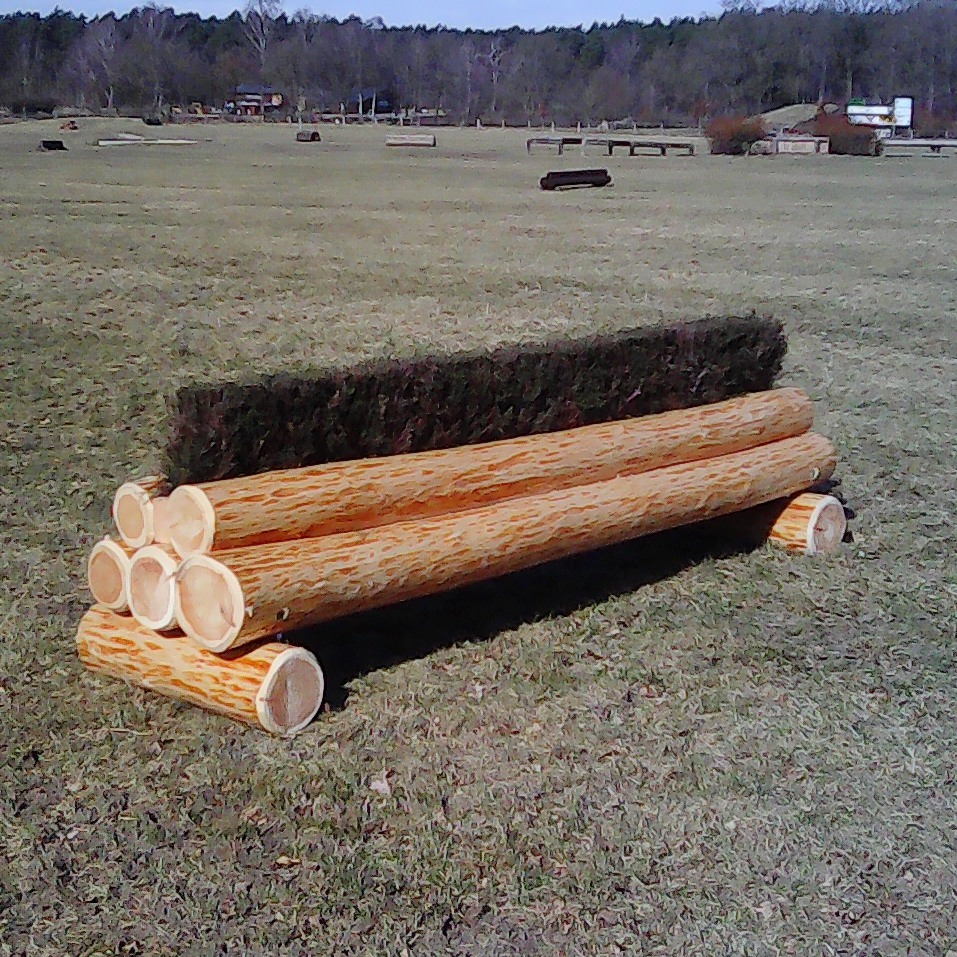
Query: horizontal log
x=411, y=139
x=133, y=509
x=251, y=593
x=808, y=523
x=151, y=585
x=562, y=179
x=107, y=571
x=346, y=496
x=276, y=686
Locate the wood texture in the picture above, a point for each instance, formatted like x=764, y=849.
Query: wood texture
x=323, y=500
x=107, y=574
x=411, y=139
x=133, y=509
x=255, y=592
x=151, y=586
x=276, y=686
x=808, y=523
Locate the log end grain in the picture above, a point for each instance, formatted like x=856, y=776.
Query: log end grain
x=291, y=692
x=151, y=584
x=811, y=524
x=106, y=573
x=191, y=521
x=209, y=603
x=161, y=520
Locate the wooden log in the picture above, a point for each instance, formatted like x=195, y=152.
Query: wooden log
x=411, y=139
x=254, y=592
x=346, y=496
x=107, y=572
x=308, y=136
x=151, y=586
x=563, y=179
x=161, y=520
x=276, y=686
x=133, y=509
x=808, y=523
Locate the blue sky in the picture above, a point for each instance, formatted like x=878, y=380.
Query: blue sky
x=455, y=13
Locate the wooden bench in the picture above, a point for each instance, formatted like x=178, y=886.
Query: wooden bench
x=634, y=145
x=560, y=141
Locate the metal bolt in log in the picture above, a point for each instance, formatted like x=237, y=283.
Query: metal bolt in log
x=254, y=592
x=346, y=496
x=276, y=686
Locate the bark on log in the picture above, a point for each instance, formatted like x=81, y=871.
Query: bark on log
x=133, y=509
x=346, y=496
x=254, y=592
x=107, y=573
x=151, y=587
x=808, y=523
x=276, y=686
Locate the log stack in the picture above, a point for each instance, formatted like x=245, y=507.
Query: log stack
x=203, y=581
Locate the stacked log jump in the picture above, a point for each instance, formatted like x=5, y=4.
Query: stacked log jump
x=568, y=178
x=201, y=585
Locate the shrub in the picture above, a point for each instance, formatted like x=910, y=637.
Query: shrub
x=221, y=430
x=846, y=138
x=733, y=135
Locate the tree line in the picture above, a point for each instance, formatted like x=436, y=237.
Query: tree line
x=747, y=60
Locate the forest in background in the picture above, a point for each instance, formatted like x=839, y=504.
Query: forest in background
x=745, y=61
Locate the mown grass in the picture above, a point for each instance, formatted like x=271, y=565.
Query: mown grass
x=656, y=749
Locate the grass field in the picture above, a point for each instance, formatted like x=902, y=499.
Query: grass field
x=652, y=750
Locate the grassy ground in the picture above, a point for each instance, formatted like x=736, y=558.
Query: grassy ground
x=651, y=750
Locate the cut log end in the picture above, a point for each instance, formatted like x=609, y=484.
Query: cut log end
x=161, y=520
x=191, y=521
x=209, y=603
x=107, y=570
x=152, y=588
x=826, y=524
x=291, y=693
x=133, y=514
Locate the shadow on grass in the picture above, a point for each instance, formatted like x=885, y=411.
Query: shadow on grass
x=361, y=643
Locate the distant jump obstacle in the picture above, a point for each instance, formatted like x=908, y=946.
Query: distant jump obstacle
x=308, y=136
x=635, y=147
x=411, y=139
x=566, y=178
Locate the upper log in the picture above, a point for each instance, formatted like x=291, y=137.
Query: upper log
x=151, y=586
x=276, y=686
x=133, y=509
x=253, y=592
x=345, y=496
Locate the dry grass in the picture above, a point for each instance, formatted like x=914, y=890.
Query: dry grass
x=653, y=750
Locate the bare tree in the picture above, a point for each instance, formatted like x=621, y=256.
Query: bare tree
x=259, y=21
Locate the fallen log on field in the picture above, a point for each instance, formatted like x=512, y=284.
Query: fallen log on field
x=254, y=592
x=273, y=685
x=151, y=582
x=133, y=509
x=566, y=178
x=107, y=571
x=308, y=136
x=328, y=499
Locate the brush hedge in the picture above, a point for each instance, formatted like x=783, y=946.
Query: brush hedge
x=225, y=430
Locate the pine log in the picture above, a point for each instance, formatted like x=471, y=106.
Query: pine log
x=107, y=571
x=161, y=520
x=347, y=496
x=808, y=523
x=133, y=509
x=276, y=686
x=254, y=592
x=151, y=586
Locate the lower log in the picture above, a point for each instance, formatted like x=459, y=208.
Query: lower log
x=107, y=571
x=276, y=686
x=808, y=523
x=151, y=586
x=250, y=593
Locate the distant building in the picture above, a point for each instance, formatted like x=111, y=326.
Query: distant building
x=254, y=99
